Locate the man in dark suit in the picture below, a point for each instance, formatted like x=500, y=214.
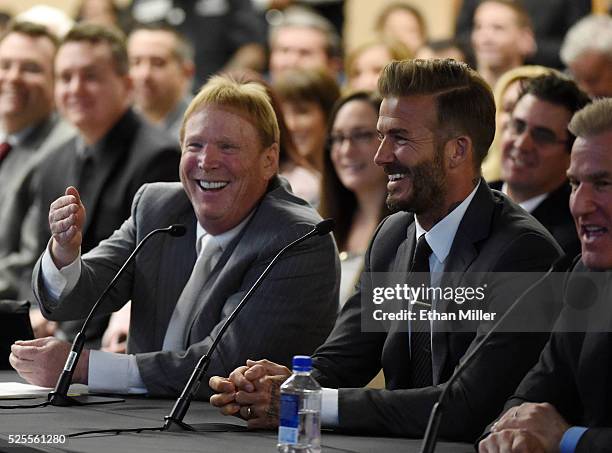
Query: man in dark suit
x=113, y=154
x=536, y=153
x=162, y=68
x=238, y=215
x=436, y=123
x=29, y=128
x=551, y=21
x=564, y=402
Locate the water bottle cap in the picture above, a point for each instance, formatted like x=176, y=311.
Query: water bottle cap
x=302, y=363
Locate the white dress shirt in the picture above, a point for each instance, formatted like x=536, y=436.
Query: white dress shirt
x=530, y=204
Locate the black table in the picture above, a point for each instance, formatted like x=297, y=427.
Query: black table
x=146, y=412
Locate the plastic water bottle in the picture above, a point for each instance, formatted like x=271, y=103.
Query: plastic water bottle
x=299, y=428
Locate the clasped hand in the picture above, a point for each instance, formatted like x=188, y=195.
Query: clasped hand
x=251, y=392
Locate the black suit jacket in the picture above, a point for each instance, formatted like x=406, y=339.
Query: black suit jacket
x=554, y=213
x=495, y=235
x=131, y=154
x=575, y=371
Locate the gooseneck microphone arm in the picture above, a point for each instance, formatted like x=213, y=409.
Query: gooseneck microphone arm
x=433, y=425
x=59, y=395
x=175, y=419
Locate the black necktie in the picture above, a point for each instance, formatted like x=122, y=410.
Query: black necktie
x=5, y=148
x=420, y=339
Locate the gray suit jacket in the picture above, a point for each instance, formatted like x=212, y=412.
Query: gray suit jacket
x=17, y=193
x=495, y=235
x=291, y=313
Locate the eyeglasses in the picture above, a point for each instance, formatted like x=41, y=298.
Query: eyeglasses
x=358, y=138
x=541, y=136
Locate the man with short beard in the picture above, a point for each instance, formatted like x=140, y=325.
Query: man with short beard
x=436, y=124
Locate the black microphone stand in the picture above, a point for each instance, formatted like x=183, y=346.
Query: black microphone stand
x=174, y=421
x=59, y=395
x=433, y=425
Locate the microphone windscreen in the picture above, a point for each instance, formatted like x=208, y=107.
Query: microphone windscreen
x=325, y=226
x=177, y=230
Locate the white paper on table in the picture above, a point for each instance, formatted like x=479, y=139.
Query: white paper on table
x=15, y=390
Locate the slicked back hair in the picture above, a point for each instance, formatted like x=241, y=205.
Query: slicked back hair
x=464, y=102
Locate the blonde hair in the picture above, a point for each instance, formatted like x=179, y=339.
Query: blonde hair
x=249, y=97
x=594, y=119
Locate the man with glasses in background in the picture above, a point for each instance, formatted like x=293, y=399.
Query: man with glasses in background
x=536, y=154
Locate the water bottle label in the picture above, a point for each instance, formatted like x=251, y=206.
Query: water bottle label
x=289, y=419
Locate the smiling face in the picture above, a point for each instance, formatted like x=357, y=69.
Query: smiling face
x=410, y=155
x=26, y=80
x=90, y=93
x=530, y=166
x=296, y=47
x=590, y=175
x=306, y=122
x=367, y=68
x=354, y=145
x=224, y=167
x=160, y=77
x=496, y=36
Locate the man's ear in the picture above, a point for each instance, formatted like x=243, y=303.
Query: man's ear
x=459, y=151
x=269, y=160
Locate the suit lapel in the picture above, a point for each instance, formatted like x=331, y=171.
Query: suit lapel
x=398, y=342
x=474, y=227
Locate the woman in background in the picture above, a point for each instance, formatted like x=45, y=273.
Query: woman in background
x=354, y=187
x=307, y=97
x=365, y=63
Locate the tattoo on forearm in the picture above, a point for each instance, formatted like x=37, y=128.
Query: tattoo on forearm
x=272, y=411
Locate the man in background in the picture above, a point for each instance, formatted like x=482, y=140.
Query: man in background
x=502, y=38
x=162, y=69
x=587, y=52
x=536, y=154
x=29, y=128
x=304, y=40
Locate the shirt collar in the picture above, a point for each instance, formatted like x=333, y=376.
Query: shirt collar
x=441, y=236
x=530, y=204
x=16, y=138
x=223, y=239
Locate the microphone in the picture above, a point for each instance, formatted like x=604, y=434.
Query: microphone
x=174, y=421
x=59, y=395
x=433, y=425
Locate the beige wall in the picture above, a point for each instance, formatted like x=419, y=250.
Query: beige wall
x=361, y=16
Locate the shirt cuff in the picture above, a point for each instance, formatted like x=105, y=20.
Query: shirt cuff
x=59, y=281
x=570, y=439
x=329, y=408
x=110, y=372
